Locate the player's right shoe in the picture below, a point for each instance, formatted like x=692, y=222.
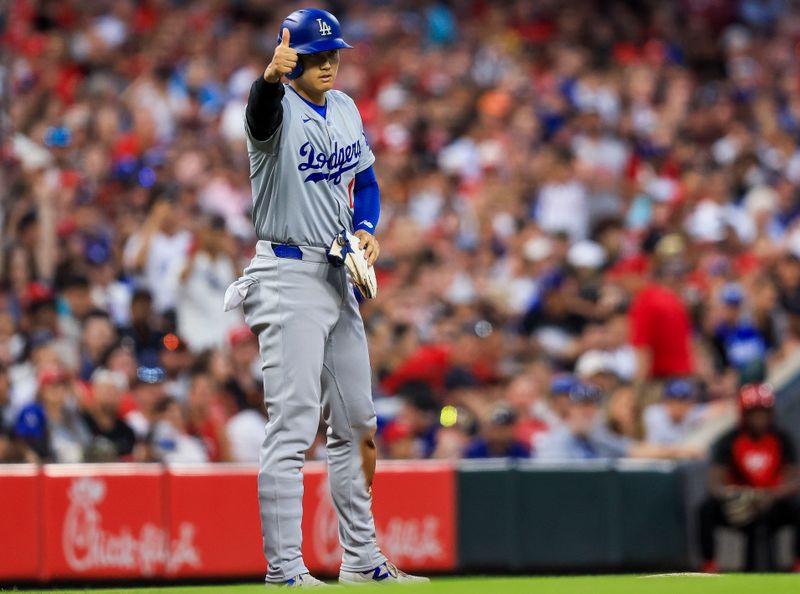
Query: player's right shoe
x=304, y=580
x=386, y=573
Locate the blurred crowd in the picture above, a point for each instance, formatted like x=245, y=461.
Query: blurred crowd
x=590, y=223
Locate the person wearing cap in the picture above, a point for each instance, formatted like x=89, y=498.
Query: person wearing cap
x=670, y=421
x=661, y=328
x=737, y=342
x=754, y=479
x=148, y=393
x=597, y=368
x=399, y=443
x=49, y=429
x=582, y=435
x=101, y=415
x=497, y=438
x=560, y=387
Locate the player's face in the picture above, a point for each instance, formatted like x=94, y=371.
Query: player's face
x=319, y=71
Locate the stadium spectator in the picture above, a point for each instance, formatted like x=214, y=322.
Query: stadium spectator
x=112, y=438
x=74, y=306
x=418, y=416
x=623, y=413
x=582, y=436
x=399, y=442
x=753, y=481
x=523, y=398
x=142, y=410
x=672, y=420
x=209, y=269
x=51, y=429
x=205, y=417
x=144, y=332
x=245, y=431
x=170, y=440
x=559, y=402
x=738, y=342
x=245, y=378
x=98, y=336
x=660, y=323
x=156, y=253
x=497, y=437
x=120, y=358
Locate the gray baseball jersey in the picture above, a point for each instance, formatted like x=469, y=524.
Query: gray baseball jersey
x=303, y=175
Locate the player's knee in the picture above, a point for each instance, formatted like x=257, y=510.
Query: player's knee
x=365, y=426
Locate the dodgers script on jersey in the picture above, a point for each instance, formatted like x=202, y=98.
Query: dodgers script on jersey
x=302, y=177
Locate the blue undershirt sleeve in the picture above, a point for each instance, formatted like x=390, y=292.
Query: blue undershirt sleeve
x=366, y=201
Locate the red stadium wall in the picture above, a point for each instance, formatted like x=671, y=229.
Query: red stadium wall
x=84, y=522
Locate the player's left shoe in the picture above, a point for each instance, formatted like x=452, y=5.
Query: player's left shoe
x=304, y=580
x=385, y=573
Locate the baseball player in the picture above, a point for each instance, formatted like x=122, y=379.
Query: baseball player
x=316, y=201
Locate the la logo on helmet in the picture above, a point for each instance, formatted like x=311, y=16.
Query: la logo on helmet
x=324, y=28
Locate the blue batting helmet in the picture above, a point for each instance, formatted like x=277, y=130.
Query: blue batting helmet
x=312, y=30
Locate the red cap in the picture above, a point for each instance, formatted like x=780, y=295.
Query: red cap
x=51, y=375
x=239, y=335
x=753, y=396
x=394, y=431
x=632, y=265
x=38, y=293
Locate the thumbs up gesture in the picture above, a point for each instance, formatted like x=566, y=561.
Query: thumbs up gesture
x=283, y=60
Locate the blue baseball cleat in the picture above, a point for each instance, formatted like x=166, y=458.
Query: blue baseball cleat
x=385, y=573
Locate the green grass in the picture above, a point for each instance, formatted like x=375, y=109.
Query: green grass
x=726, y=584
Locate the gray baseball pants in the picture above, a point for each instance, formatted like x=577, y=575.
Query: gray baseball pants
x=314, y=354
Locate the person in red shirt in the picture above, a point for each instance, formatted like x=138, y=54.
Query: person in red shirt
x=661, y=329
x=754, y=478
x=660, y=326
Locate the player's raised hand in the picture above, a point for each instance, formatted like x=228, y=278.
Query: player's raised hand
x=283, y=60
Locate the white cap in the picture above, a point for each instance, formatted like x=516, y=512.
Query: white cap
x=593, y=362
x=586, y=254
x=707, y=223
x=760, y=199
x=108, y=377
x=537, y=249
